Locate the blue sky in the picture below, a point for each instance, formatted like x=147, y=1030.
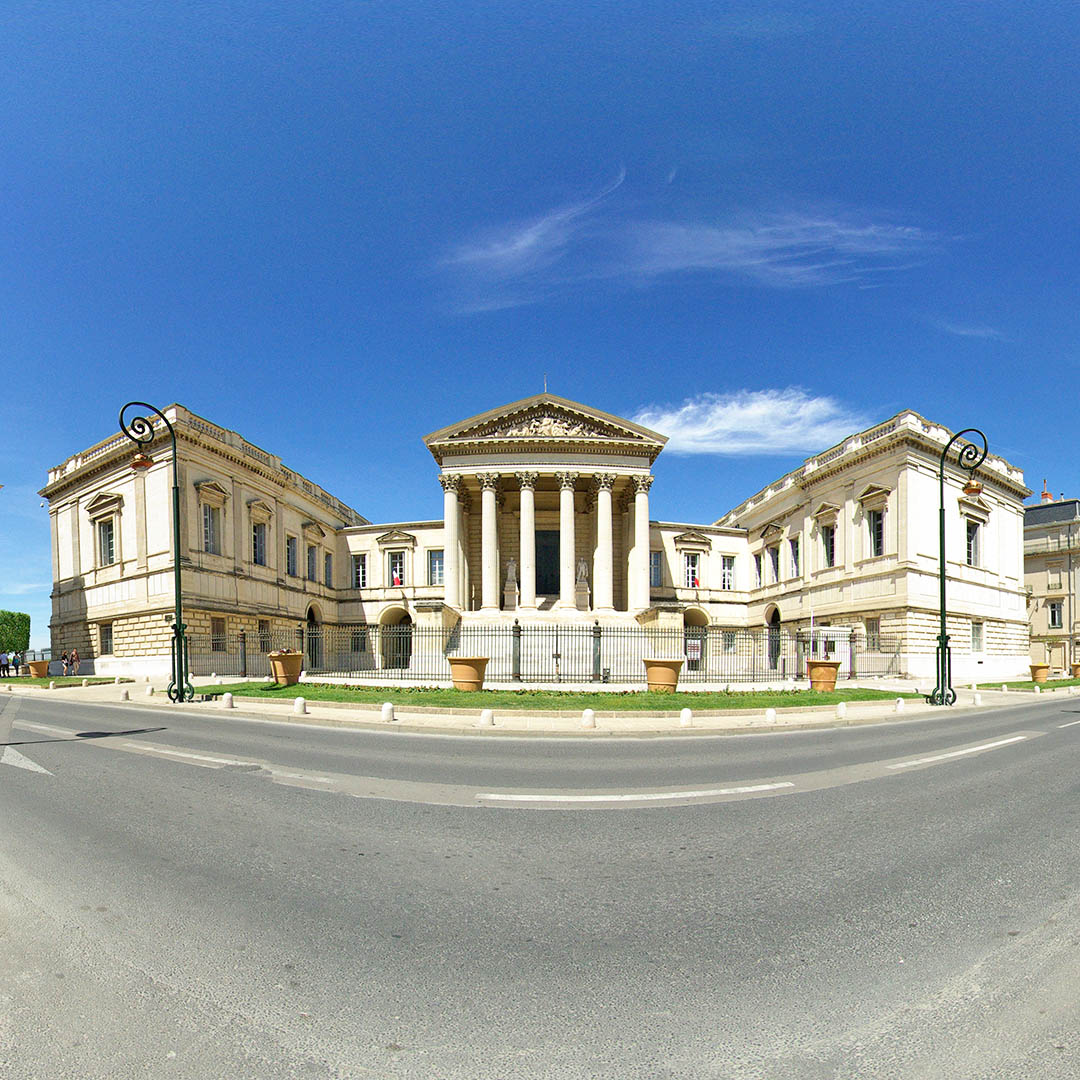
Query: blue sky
x=336, y=227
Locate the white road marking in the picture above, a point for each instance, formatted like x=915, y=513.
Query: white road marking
x=957, y=753
x=1069, y=724
x=645, y=796
x=145, y=748
x=11, y=756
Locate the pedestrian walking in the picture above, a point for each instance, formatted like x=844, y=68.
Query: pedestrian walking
x=3, y=665
x=64, y=660
x=74, y=661
x=16, y=662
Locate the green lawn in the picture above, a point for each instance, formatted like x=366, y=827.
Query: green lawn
x=60, y=680
x=1027, y=684
x=549, y=699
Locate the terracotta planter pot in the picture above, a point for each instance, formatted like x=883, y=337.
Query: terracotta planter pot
x=1040, y=672
x=467, y=672
x=39, y=669
x=662, y=675
x=1076, y=671
x=822, y=674
x=286, y=667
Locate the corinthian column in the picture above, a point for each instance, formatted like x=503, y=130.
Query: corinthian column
x=639, y=591
x=451, y=592
x=566, y=538
x=527, y=537
x=489, y=537
x=603, y=575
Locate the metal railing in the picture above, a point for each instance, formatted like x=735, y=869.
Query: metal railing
x=544, y=654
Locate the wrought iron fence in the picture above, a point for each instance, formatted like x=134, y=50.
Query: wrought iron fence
x=546, y=653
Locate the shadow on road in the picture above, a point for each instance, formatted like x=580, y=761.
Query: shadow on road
x=86, y=735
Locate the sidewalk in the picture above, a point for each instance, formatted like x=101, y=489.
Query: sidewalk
x=523, y=722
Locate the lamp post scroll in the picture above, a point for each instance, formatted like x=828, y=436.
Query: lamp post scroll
x=968, y=457
x=140, y=430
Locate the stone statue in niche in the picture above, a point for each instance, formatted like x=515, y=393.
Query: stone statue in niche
x=511, y=573
x=511, y=596
x=581, y=587
x=582, y=572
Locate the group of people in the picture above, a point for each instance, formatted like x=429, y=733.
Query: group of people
x=70, y=662
x=8, y=662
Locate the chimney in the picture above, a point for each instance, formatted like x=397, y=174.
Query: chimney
x=1046, y=496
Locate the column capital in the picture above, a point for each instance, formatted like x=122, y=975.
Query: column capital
x=489, y=481
x=604, y=481
x=567, y=480
x=642, y=484
x=450, y=482
x=527, y=479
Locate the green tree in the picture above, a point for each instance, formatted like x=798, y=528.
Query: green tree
x=14, y=631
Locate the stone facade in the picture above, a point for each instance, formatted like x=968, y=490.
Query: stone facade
x=1051, y=561
x=546, y=518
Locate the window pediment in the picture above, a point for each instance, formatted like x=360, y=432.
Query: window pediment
x=260, y=511
x=772, y=531
x=104, y=504
x=691, y=540
x=396, y=538
x=312, y=530
x=974, y=507
x=211, y=492
x=826, y=513
x=874, y=497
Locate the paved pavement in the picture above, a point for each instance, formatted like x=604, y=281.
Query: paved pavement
x=518, y=722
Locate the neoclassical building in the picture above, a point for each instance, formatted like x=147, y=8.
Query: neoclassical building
x=547, y=521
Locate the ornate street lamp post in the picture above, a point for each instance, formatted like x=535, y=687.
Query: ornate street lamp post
x=140, y=430
x=969, y=457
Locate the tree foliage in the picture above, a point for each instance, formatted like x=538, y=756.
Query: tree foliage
x=14, y=631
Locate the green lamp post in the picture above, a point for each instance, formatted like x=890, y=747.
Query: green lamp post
x=140, y=430
x=969, y=457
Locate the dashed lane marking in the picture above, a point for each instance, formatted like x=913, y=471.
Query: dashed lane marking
x=641, y=796
x=957, y=753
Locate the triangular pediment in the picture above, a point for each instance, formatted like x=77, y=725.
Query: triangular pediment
x=771, y=530
x=313, y=530
x=692, y=539
x=396, y=538
x=544, y=420
x=873, y=495
x=210, y=491
x=825, y=511
x=104, y=503
x=974, y=506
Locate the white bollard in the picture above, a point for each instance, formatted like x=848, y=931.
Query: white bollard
x=116, y=681
x=1004, y=688
x=770, y=716
x=686, y=718
x=1070, y=690
x=898, y=705
x=1038, y=689
x=387, y=712
x=10, y=688
x=487, y=718
x=219, y=681
x=841, y=710
x=299, y=706
x=86, y=682
x=149, y=691
x=226, y=701
x=588, y=718
x=124, y=695
x=974, y=686
x=213, y=674
x=52, y=686
x=978, y=699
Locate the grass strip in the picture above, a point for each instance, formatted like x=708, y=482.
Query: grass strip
x=1027, y=684
x=550, y=699
x=60, y=680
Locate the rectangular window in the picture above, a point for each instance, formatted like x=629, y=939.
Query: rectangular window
x=1055, y=615
x=105, y=639
x=106, y=543
x=217, y=635
x=258, y=544
x=1053, y=577
x=359, y=571
x=972, y=543
x=976, y=637
x=264, y=635
x=875, y=521
x=774, y=563
x=434, y=567
x=397, y=568
x=873, y=633
x=728, y=641
x=211, y=524
x=727, y=572
x=290, y=555
x=656, y=569
x=312, y=563
x=691, y=578
x=328, y=570
x=757, y=570
x=794, y=542
x=828, y=545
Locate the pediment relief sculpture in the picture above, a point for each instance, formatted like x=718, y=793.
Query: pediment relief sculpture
x=547, y=424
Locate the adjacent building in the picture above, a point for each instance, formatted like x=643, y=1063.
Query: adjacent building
x=1051, y=559
x=547, y=522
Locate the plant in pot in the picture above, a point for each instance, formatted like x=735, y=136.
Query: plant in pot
x=286, y=665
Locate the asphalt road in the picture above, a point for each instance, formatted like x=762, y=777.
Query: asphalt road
x=224, y=898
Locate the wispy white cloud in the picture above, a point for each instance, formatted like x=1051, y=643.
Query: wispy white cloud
x=25, y=588
x=752, y=422
x=972, y=330
x=523, y=262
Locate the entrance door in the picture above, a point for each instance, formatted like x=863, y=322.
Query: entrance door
x=547, y=562
x=774, y=641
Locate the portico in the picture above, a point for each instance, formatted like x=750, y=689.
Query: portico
x=563, y=498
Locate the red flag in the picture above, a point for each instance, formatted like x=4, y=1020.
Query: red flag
x=397, y=579
x=697, y=583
